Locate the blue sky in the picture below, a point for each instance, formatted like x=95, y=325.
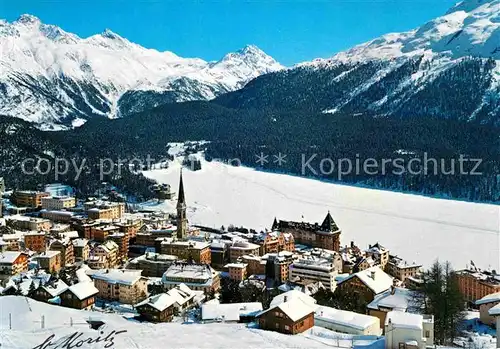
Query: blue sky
x=290, y=31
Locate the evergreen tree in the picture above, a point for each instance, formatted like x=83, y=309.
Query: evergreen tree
x=440, y=296
x=31, y=289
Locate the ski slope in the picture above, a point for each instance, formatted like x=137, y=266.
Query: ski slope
x=417, y=228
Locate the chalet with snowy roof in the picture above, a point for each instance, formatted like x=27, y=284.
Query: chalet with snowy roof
x=184, y=297
x=123, y=285
x=410, y=331
x=233, y=312
x=79, y=296
x=326, y=235
x=49, y=290
x=485, y=304
x=349, y=322
x=12, y=263
x=379, y=254
x=290, y=313
x=394, y=299
x=367, y=284
x=108, y=251
x=158, y=308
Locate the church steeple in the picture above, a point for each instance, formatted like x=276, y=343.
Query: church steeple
x=181, y=212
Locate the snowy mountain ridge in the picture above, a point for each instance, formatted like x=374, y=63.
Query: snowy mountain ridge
x=56, y=77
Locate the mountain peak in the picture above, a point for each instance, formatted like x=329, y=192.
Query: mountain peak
x=28, y=19
x=109, y=34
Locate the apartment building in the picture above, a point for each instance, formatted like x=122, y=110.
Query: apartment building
x=35, y=241
x=28, y=223
x=106, y=253
x=237, y=271
x=101, y=233
x=400, y=269
x=123, y=285
x=26, y=198
x=81, y=249
x=196, y=251
x=130, y=226
x=104, y=209
x=12, y=263
x=65, y=246
x=239, y=248
x=200, y=277
x=57, y=216
x=379, y=254
x=152, y=264
x=56, y=203
x=122, y=240
x=274, y=242
x=474, y=283
x=49, y=261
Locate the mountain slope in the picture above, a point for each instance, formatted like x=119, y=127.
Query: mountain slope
x=449, y=68
x=55, y=78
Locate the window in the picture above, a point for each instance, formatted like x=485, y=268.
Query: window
x=277, y=325
x=287, y=327
x=427, y=334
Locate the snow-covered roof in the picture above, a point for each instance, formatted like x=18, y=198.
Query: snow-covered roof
x=394, y=299
x=83, y=289
x=9, y=257
x=490, y=298
x=293, y=294
x=295, y=309
x=345, y=318
x=55, y=288
x=494, y=311
x=48, y=254
x=81, y=242
x=374, y=278
x=229, y=312
x=116, y=276
x=401, y=319
x=160, y=302
x=236, y=265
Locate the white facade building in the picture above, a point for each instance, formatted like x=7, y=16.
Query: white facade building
x=409, y=331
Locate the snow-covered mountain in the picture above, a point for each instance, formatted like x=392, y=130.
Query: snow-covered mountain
x=448, y=67
x=57, y=79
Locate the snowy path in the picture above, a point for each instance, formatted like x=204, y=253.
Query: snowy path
x=418, y=228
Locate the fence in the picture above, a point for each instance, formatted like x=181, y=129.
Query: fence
x=42, y=323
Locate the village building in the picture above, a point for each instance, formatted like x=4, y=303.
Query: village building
x=242, y=247
x=219, y=254
x=318, y=265
x=290, y=313
x=495, y=312
x=400, y=269
x=394, y=299
x=152, y=264
x=57, y=215
x=184, y=297
x=97, y=209
x=158, y=308
x=101, y=233
x=65, y=246
x=379, y=254
x=278, y=266
x=196, y=251
x=58, y=202
x=485, y=304
x=25, y=198
x=79, y=296
x=367, y=284
x=409, y=331
x=106, y=253
x=12, y=263
x=201, y=277
x=11, y=241
x=308, y=287
x=256, y=265
x=122, y=240
x=233, y=312
x=49, y=290
x=274, y=242
x=237, y=271
x=326, y=235
x=49, y=261
x=348, y=322
x=122, y=285
x=35, y=241
x=28, y=223
x=474, y=283
x=81, y=249
x=129, y=226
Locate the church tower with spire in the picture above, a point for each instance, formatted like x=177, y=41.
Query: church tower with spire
x=181, y=213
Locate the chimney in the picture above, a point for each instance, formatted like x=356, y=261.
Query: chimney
x=285, y=298
x=393, y=290
x=373, y=274
x=352, y=244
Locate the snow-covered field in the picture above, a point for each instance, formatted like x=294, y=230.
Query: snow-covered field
x=417, y=228
x=26, y=331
